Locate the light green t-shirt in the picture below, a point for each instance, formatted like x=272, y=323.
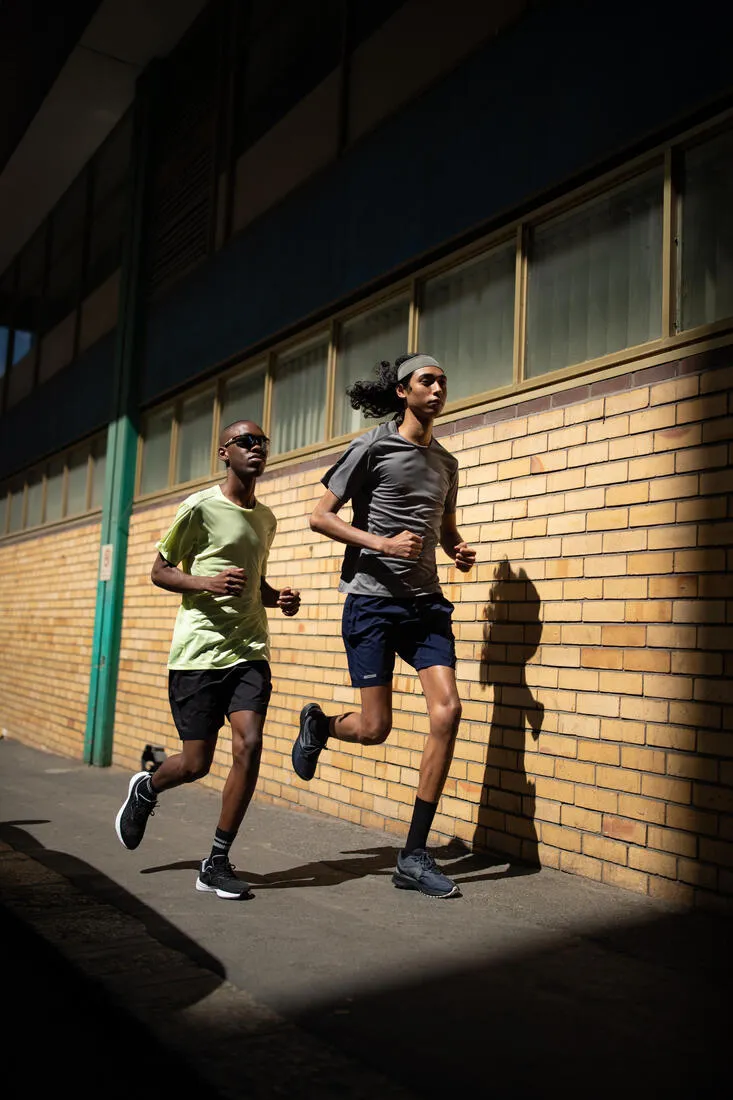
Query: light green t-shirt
x=210, y=534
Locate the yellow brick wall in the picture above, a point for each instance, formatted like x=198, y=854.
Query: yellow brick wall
x=48, y=585
x=595, y=640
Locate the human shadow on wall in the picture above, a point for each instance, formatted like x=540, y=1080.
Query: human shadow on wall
x=511, y=637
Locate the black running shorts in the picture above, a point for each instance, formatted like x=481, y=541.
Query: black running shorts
x=200, y=701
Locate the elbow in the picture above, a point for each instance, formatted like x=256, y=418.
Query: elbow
x=315, y=522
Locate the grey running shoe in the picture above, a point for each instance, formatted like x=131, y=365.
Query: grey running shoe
x=419, y=871
x=217, y=877
x=134, y=812
x=311, y=739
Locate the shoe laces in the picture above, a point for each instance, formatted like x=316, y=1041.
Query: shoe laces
x=143, y=801
x=424, y=858
x=222, y=865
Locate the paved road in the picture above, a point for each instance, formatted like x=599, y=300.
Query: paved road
x=330, y=982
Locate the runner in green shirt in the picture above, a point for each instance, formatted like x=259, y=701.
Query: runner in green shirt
x=215, y=556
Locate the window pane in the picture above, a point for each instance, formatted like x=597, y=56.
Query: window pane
x=194, y=437
x=99, y=455
x=595, y=278
x=33, y=511
x=112, y=162
x=244, y=397
x=364, y=342
x=299, y=399
x=105, y=243
x=288, y=52
x=67, y=220
x=54, y=489
x=22, y=344
x=156, y=450
x=3, y=508
x=76, y=486
x=16, y=505
x=63, y=286
x=707, y=233
x=467, y=323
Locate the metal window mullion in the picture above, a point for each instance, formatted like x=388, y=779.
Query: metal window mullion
x=520, y=304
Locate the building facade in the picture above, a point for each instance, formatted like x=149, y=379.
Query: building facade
x=539, y=195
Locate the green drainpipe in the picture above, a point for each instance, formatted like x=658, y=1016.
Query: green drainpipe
x=122, y=437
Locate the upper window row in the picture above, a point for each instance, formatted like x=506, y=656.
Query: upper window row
x=579, y=285
x=73, y=252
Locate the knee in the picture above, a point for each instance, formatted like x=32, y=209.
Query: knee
x=375, y=732
x=448, y=715
x=195, y=769
x=246, y=747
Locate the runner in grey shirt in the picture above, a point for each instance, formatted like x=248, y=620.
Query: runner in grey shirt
x=394, y=483
x=402, y=485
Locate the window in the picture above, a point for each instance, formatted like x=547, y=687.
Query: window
x=3, y=509
x=288, y=48
x=156, y=450
x=99, y=466
x=15, y=506
x=55, y=489
x=34, y=499
x=467, y=323
x=299, y=398
x=76, y=483
x=706, y=282
x=193, y=458
x=595, y=277
x=363, y=342
x=244, y=397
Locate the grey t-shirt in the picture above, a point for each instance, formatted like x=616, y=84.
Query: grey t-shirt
x=394, y=486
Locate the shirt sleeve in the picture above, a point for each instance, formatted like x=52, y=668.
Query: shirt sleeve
x=347, y=475
x=451, y=500
x=180, y=541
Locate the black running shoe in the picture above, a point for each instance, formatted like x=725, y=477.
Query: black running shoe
x=217, y=877
x=310, y=741
x=419, y=871
x=134, y=813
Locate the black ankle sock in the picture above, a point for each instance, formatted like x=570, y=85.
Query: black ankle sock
x=422, y=820
x=222, y=843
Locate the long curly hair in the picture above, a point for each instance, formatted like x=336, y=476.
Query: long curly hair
x=379, y=397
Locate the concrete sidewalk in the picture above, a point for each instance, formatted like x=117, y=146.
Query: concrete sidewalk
x=332, y=983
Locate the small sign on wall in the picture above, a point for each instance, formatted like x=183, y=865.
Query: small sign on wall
x=105, y=561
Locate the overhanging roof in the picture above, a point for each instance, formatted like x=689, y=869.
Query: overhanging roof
x=73, y=79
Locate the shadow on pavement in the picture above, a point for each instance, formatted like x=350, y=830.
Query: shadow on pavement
x=455, y=857
x=635, y=1011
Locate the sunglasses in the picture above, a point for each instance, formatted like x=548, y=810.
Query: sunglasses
x=247, y=441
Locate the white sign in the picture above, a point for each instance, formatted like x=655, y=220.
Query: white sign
x=105, y=562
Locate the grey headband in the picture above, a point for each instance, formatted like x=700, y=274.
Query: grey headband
x=415, y=363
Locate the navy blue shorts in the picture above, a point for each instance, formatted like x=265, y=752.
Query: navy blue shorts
x=375, y=628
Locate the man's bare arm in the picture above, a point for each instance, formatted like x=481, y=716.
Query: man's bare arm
x=230, y=582
x=326, y=521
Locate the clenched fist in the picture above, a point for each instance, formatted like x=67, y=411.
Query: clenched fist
x=230, y=582
x=405, y=545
